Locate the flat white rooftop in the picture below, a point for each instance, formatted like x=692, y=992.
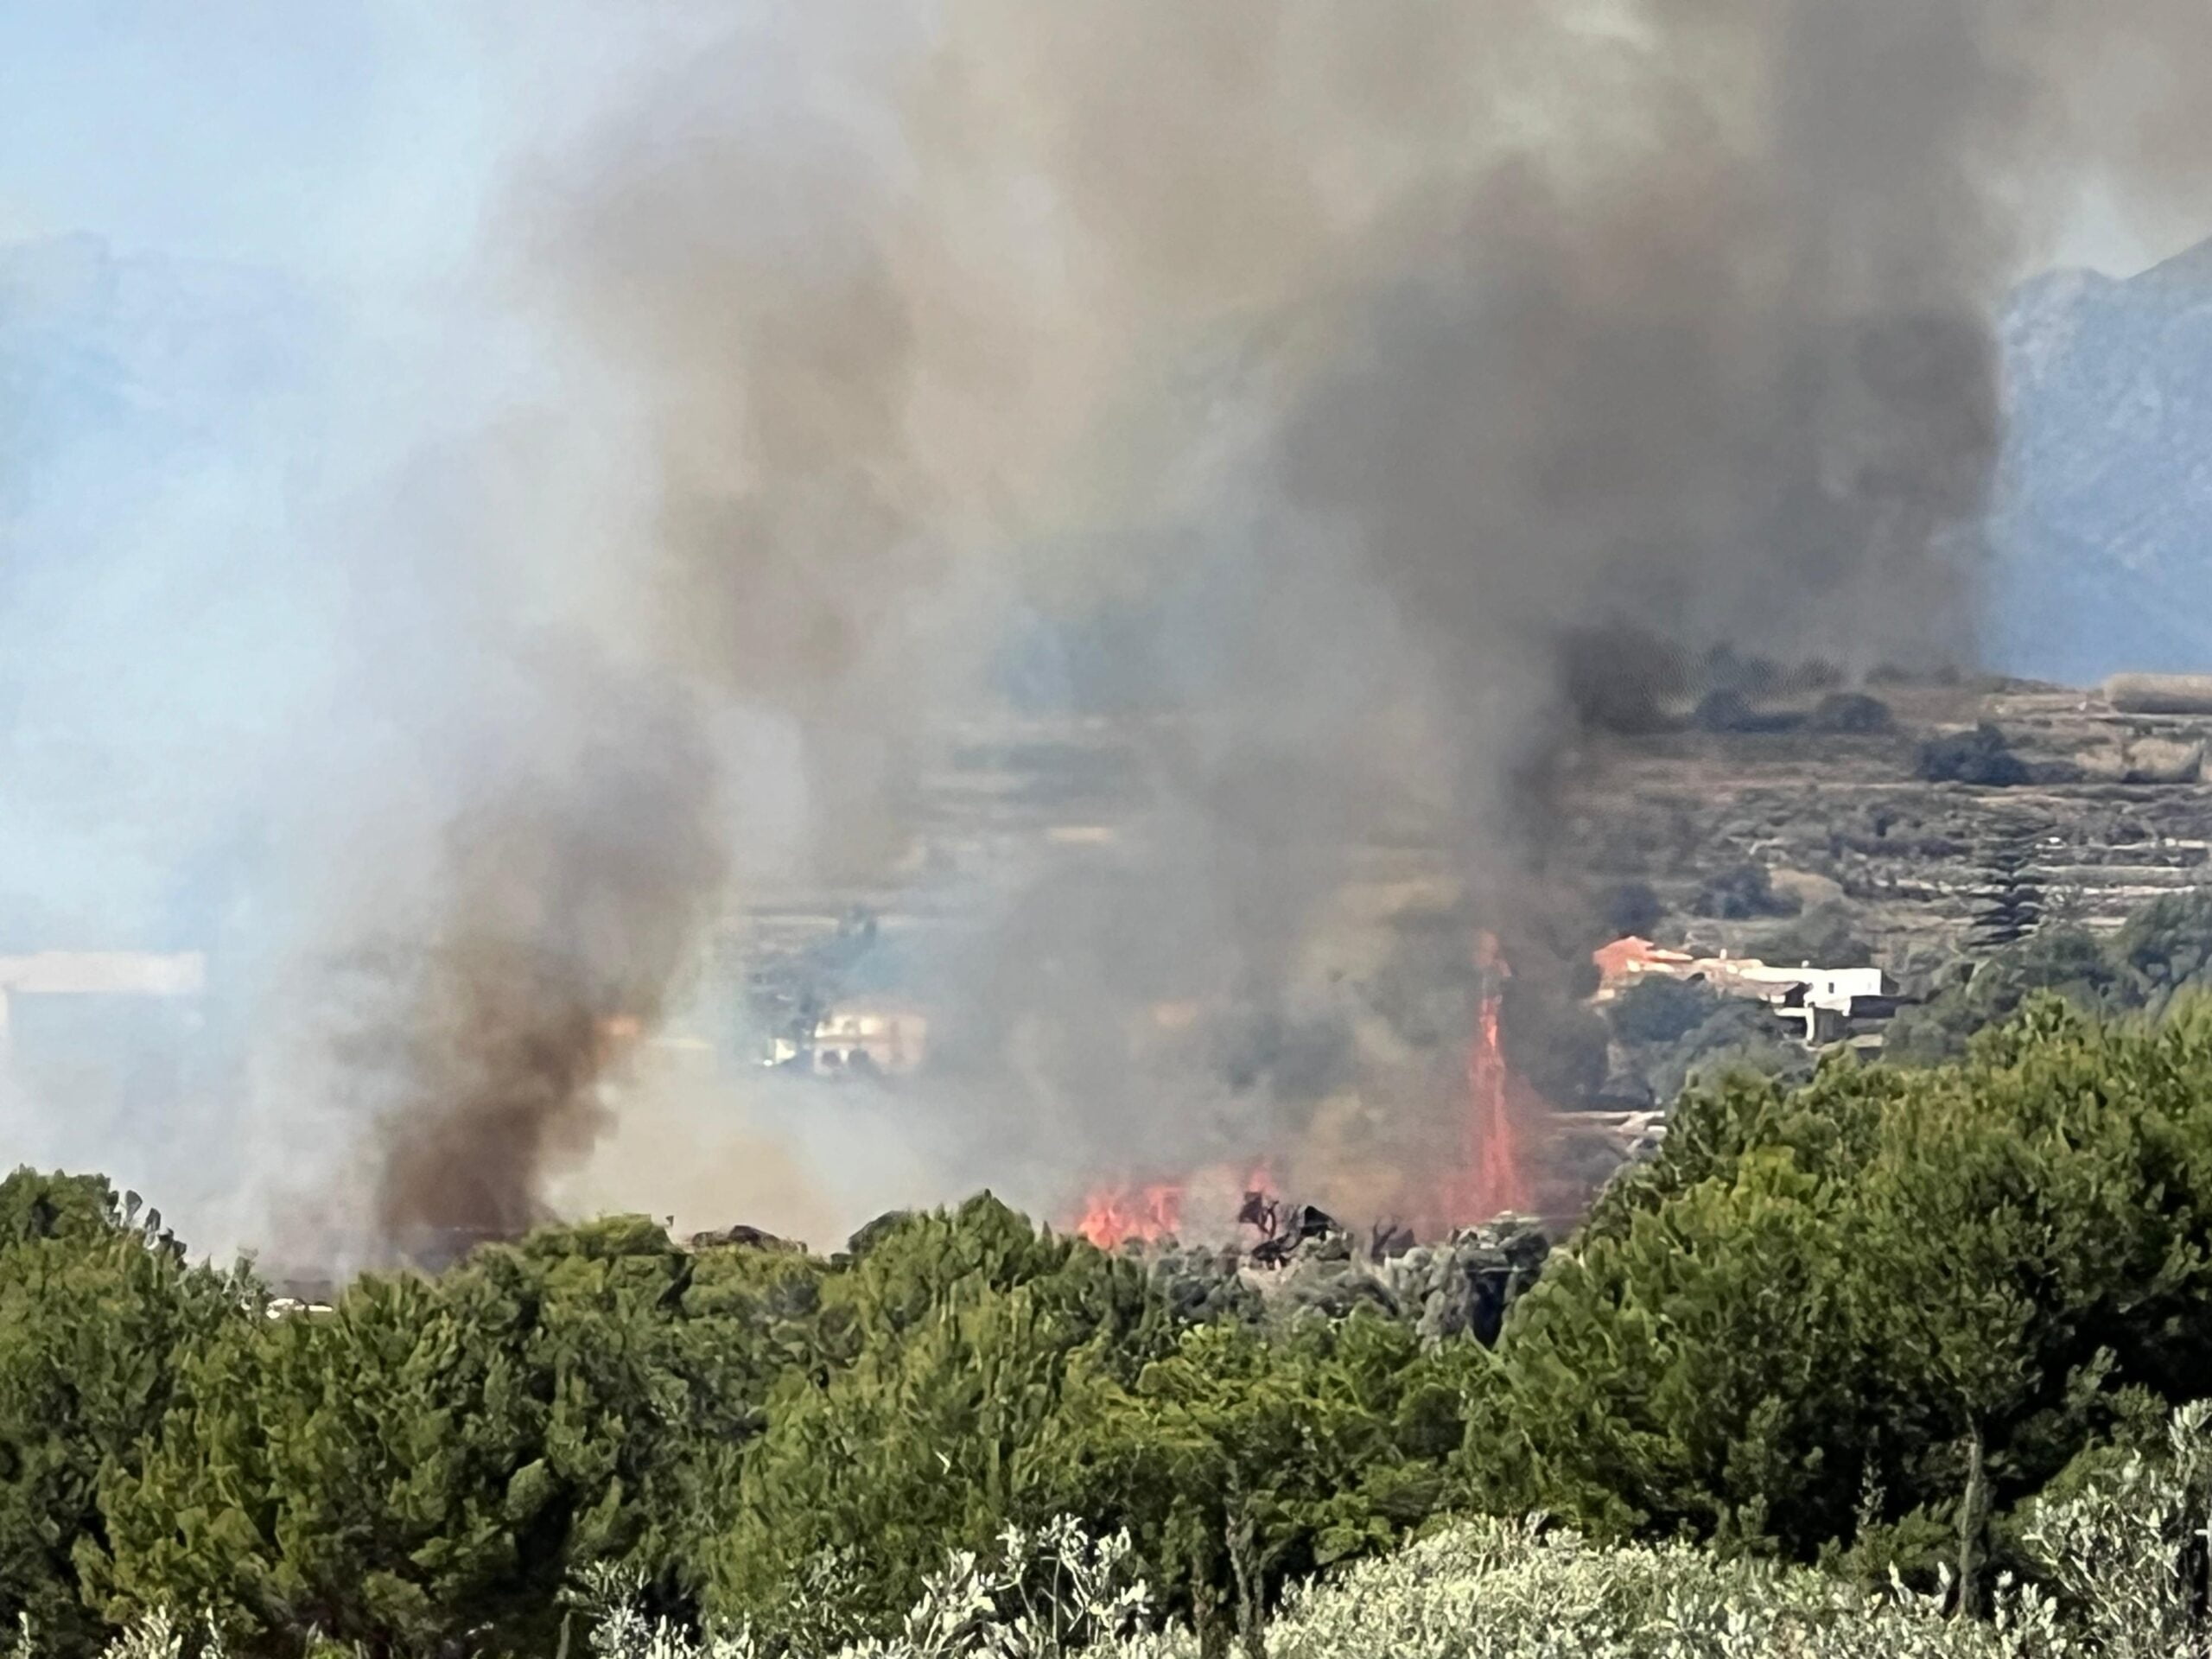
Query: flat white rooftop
x=104, y=973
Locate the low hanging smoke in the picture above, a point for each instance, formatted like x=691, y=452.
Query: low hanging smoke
x=574, y=905
x=1433, y=382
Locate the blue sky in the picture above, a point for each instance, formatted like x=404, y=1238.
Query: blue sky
x=222, y=129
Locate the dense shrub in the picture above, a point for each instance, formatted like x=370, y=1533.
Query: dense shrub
x=1631, y=909
x=1825, y=936
x=2164, y=948
x=100, y=1316
x=1875, y=1320
x=2118, y=1567
x=1672, y=1032
x=1933, y=1287
x=1744, y=894
x=1852, y=713
x=1659, y=1010
x=1980, y=756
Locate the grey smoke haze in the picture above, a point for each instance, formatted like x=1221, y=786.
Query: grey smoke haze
x=1388, y=360
x=1441, y=341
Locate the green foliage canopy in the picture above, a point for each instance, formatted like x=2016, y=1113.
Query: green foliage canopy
x=1818, y=1294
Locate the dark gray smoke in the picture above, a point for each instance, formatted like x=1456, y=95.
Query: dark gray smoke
x=574, y=900
x=1436, y=379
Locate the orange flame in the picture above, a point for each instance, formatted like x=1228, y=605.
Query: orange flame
x=1114, y=1215
x=1496, y=1182
x=1152, y=1213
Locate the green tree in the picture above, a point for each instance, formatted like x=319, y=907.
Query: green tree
x=2068, y=962
x=98, y=1315
x=1244, y=1457
x=959, y=1334
x=2163, y=948
x=1924, y=1283
x=1658, y=1011
x=428, y=1462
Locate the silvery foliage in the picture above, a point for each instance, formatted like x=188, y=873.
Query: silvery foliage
x=155, y=1636
x=1039, y=1594
x=2131, y=1553
x=1043, y=1594
x=2126, y=1555
x=2130, y=1556
x=1519, y=1590
x=608, y=1597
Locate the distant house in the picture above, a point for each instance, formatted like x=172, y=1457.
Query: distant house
x=96, y=974
x=1821, y=1005
x=102, y=1036
x=858, y=1039
x=1624, y=962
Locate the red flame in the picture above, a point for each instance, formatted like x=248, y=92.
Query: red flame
x=1496, y=1182
x=1150, y=1213
x=1113, y=1215
x=1490, y=1177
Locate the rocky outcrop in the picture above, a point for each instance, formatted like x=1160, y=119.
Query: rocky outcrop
x=2102, y=531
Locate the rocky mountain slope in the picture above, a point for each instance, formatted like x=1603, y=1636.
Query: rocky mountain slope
x=2111, y=809
x=2102, y=531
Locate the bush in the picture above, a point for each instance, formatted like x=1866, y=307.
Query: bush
x=2121, y=1555
x=1815, y=1293
x=1729, y=712
x=1738, y=1036
x=1744, y=894
x=1631, y=909
x=1852, y=713
x=99, y=1319
x=1659, y=1011
x=1980, y=756
x=2066, y=962
x=1824, y=936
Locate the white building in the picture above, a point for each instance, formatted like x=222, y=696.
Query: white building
x=859, y=1040
x=98, y=973
x=1820, y=1002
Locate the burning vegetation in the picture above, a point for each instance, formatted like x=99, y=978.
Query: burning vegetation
x=1482, y=1175
x=1375, y=415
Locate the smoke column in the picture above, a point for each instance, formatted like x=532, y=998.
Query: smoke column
x=1388, y=362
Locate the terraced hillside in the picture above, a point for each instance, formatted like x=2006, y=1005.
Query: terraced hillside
x=2111, y=809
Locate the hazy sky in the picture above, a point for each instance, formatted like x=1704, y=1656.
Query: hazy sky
x=354, y=149
x=181, y=581
x=358, y=138
x=226, y=128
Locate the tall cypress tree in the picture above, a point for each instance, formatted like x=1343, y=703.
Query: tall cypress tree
x=2009, y=897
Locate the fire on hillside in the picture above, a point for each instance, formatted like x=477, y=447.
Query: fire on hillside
x=1486, y=1175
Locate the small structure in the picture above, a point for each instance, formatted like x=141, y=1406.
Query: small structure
x=100, y=974
x=1624, y=962
x=858, y=1039
x=1822, y=1005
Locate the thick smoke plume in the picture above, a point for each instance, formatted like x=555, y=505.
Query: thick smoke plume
x=1433, y=382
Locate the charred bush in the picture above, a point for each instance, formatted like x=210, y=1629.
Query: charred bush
x=1981, y=757
x=1742, y=894
x=1633, y=910
x=1620, y=680
x=1853, y=714
x=1731, y=712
